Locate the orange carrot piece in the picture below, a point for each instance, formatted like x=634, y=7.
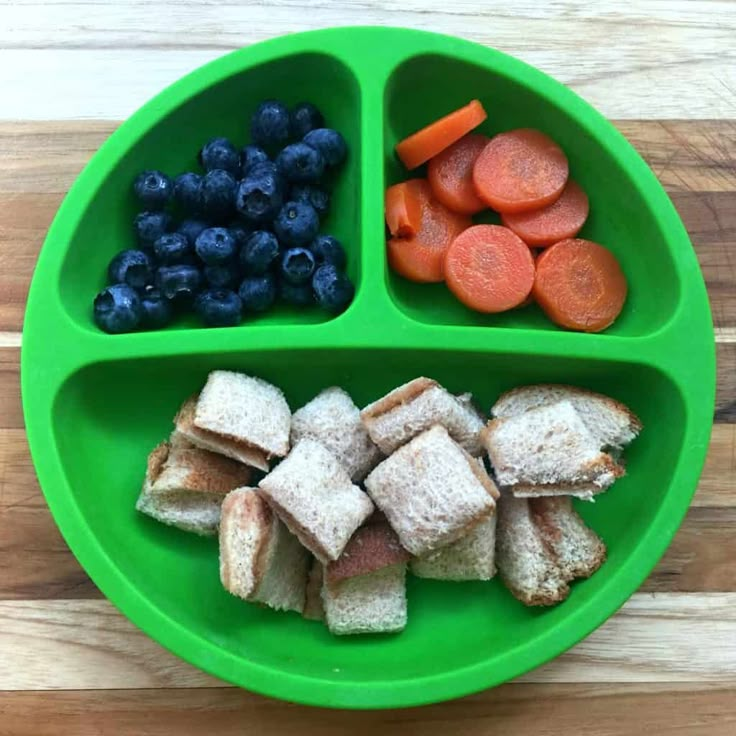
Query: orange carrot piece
x=450, y=174
x=560, y=220
x=404, y=208
x=519, y=171
x=579, y=285
x=421, y=257
x=489, y=269
x=421, y=146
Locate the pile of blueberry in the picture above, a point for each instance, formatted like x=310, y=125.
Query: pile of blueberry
x=246, y=234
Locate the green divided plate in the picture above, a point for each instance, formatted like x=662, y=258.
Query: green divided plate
x=96, y=404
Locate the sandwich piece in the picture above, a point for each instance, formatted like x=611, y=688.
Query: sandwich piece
x=612, y=424
x=470, y=558
x=239, y=416
x=260, y=560
x=527, y=566
x=578, y=550
x=372, y=547
x=312, y=494
x=367, y=604
x=333, y=419
x=186, y=432
x=583, y=491
x=184, y=487
x=313, y=608
x=548, y=446
x=418, y=405
x=432, y=492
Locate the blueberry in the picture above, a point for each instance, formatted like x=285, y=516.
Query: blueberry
x=179, y=282
x=269, y=125
x=153, y=189
x=296, y=224
x=131, y=267
x=261, y=194
x=218, y=194
x=173, y=248
x=327, y=249
x=300, y=162
x=329, y=143
x=150, y=226
x=300, y=295
x=188, y=192
x=259, y=252
x=216, y=245
x=308, y=193
x=303, y=118
x=157, y=311
x=258, y=293
x=333, y=290
x=250, y=156
x=297, y=265
x=219, y=153
x=224, y=276
x=191, y=229
x=219, y=308
x=118, y=309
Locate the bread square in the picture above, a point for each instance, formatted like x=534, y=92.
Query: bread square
x=245, y=409
x=333, y=419
x=260, y=560
x=418, y=405
x=313, y=495
x=368, y=604
x=431, y=491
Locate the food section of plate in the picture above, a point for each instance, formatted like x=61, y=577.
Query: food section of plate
x=324, y=512
x=232, y=240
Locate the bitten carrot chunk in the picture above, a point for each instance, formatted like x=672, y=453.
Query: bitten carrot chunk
x=560, y=220
x=450, y=174
x=489, y=268
x=519, y=171
x=579, y=285
x=421, y=146
x=422, y=257
x=404, y=207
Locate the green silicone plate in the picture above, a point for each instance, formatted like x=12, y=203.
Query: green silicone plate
x=96, y=404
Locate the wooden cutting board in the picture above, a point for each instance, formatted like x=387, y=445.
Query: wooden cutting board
x=70, y=663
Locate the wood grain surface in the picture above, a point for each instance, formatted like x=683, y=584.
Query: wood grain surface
x=70, y=663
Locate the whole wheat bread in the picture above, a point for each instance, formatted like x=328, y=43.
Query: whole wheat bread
x=333, y=419
x=612, y=423
x=547, y=445
x=418, y=405
x=368, y=604
x=260, y=560
x=313, y=495
x=431, y=491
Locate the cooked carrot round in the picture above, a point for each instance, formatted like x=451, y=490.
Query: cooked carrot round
x=422, y=257
x=519, y=171
x=421, y=146
x=489, y=268
x=404, y=207
x=579, y=285
x=560, y=220
x=450, y=174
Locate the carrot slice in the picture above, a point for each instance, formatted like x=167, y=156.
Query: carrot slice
x=489, y=269
x=450, y=174
x=404, y=207
x=419, y=147
x=560, y=220
x=422, y=257
x=580, y=285
x=520, y=170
